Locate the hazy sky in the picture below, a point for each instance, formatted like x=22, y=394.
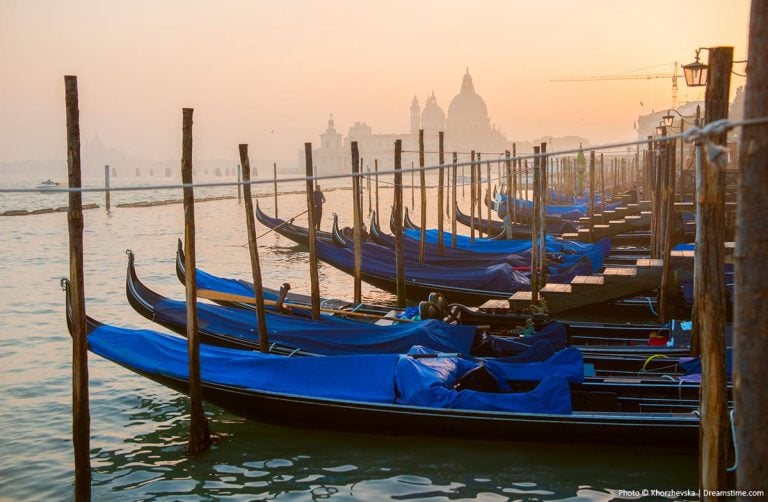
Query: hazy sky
x=253, y=67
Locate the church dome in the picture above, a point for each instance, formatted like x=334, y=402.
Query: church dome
x=467, y=103
x=432, y=114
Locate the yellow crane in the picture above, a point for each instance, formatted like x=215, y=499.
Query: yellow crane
x=629, y=76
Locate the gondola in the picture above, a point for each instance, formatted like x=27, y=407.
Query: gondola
x=595, y=336
x=554, y=226
x=287, y=228
x=421, y=393
x=225, y=327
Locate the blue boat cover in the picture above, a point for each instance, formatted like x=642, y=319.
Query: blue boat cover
x=358, y=378
x=327, y=336
x=565, y=211
x=431, y=381
x=596, y=251
x=554, y=333
x=495, y=278
x=567, y=363
x=364, y=378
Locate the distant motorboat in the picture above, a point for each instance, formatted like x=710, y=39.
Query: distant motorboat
x=48, y=184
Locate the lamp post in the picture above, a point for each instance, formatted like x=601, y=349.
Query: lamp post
x=696, y=73
x=669, y=121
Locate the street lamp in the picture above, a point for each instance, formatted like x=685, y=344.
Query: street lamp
x=695, y=73
x=669, y=119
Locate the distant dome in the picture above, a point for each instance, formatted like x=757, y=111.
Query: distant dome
x=467, y=103
x=432, y=114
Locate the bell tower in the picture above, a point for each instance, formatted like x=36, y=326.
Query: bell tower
x=415, y=116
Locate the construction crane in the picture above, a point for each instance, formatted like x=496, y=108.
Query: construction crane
x=629, y=76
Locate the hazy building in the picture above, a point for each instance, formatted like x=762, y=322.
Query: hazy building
x=467, y=126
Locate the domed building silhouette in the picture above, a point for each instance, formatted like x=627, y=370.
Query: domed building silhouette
x=467, y=126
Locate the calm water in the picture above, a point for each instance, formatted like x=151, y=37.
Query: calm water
x=138, y=428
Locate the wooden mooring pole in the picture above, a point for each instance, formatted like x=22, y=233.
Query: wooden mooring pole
x=310, y=189
x=398, y=213
x=592, y=196
x=535, y=230
x=751, y=303
x=253, y=248
x=199, y=434
x=488, y=195
x=479, y=195
x=423, y=194
x=239, y=183
x=542, y=212
x=440, y=180
x=106, y=188
x=665, y=291
x=274, y=181
x=376, y=171
x=509, y=194
x=709, y=284
x=358, y=262
x=472, y=197
x=514, y=183
x=368, y=189
x=81, y=417
x=454, y=203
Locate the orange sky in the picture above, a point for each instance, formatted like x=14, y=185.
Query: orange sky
x=252, y=67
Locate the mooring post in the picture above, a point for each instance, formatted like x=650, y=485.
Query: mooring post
x=376, y=170
x=528, y=211
x=514, y=183
x=106, y=187
x=312, y=234
x=602, y=190
x=199, y=434
x=479, y=195
x=490, y=197
x=253, y=248
x=440, y=180
x=368, y=189
x=535, y=230
x=709, y=283
x=472, y=197
x=542, y=216
x=398, y=210
x=454, y=203
x=274, y=181
x=508, y=217
x=81, y=418
x=423, y=194
x=591, y=196
x=665, y=289
x=751, y=305
x=413, y=187
x=239, y=183
x=357, y=263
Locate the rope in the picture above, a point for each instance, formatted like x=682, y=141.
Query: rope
x=692, y=134
x=650, y=306
x=735, y=465
x=651, y=358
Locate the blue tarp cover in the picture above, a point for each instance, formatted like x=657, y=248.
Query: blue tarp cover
x=366, y=378
x=327, y=336
x=431, y=381
x=359, y=378
x=596, y=251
